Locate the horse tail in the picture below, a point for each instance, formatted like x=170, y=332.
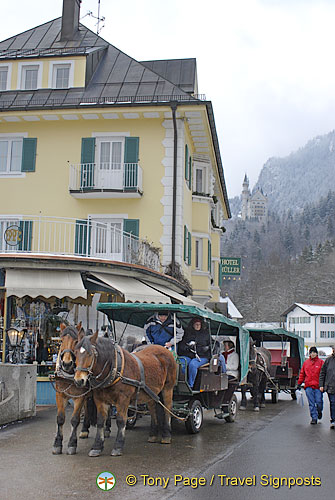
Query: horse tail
x=91, y=411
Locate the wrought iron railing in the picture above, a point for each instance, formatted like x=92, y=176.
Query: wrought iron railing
x=105, y=176
x=74, y=237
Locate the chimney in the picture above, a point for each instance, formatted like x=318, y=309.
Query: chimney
x=70, y=19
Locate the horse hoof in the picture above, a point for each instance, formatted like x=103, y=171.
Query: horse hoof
x=243, y=408
x=153, y=439
x=166, y=440
x=116, y=453
x=107, y=434
x=262, y=405
x=256, y=408
x=83, y=435
x=71, y=450
x=57, y=450
x=94, y=453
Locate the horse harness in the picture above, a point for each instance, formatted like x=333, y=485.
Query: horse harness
x=261, y=366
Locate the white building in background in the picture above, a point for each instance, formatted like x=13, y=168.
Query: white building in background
x=254, y=206
x=314, y=322
x=232, y=310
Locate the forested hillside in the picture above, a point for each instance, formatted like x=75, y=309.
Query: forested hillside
x=291, y=258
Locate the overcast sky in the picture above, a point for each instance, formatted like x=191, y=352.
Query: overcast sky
x=267, y=65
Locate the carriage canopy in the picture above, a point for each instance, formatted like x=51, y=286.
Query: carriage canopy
x=137, y=314
x=280, y=335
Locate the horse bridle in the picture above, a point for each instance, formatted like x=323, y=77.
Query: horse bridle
x=89, y=370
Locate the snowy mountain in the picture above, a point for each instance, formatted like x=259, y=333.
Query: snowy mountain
x=302, y=177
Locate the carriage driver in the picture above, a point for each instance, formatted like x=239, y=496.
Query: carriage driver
x=159, y=329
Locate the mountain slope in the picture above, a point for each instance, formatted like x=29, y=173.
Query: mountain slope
x=302, y=177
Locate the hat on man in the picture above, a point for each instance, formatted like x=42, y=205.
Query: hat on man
x=313, y=349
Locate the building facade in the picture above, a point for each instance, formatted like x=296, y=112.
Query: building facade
x=314, y=322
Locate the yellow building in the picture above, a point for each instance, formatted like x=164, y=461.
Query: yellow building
x=108, y=158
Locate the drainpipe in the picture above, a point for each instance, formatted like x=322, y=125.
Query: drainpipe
x=174, y=188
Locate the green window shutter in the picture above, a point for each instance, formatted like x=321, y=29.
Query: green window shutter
x=131, y=150
x=82, y=238
x=189, y=257
x=28, y=155
x=186, y=162
x=220, y=274
x=185, y=243
x=131, y=226
x=26, y=227
x=190, y=172
x=209, y=256
x=87, y=162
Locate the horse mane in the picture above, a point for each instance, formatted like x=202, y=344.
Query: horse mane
x=70, y=330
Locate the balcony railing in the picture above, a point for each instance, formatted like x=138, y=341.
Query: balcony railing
x=104, y=176
x=73, y=237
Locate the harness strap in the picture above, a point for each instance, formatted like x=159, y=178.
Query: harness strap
x=140, y=384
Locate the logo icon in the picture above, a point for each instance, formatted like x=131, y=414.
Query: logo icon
x=105, y=481
x=13, y=235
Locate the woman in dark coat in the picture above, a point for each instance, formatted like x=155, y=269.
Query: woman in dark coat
x=194, y=348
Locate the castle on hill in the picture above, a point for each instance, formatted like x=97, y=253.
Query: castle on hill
x=254, y=206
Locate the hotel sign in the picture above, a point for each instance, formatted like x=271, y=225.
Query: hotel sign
x=230, y=266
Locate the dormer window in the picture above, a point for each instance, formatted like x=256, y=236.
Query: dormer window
x=61, y=74
x=30, y=76
x=5, y=75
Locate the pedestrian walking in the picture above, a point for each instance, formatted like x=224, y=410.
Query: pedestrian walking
x=327, y=383
x=309, y=374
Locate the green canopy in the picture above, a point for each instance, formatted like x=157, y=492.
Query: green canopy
x=137, y=314
x=278, y=335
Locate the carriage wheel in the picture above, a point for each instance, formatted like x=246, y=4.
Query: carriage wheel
x=232, y=409
x=194, y=422
x=274, y=396
x=131, y=419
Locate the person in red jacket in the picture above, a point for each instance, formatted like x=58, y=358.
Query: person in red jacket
x=310, y=373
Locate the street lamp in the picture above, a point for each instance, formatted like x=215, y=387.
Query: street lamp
x=15, y=339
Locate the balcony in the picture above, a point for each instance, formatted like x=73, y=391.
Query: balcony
x=106, y=180
x=73, y=238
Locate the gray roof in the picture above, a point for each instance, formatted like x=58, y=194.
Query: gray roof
x=181, y=72
x=114, y=76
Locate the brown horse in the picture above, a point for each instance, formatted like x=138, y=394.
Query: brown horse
x=66, y=389
x=120, y=378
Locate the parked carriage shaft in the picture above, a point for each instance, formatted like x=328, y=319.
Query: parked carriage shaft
x=212, y=389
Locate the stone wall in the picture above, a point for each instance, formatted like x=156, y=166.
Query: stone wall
x=17, y=392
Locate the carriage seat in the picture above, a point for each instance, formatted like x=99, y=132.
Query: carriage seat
x=213, y=366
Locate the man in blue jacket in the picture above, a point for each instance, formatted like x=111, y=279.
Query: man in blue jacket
x=159, y=329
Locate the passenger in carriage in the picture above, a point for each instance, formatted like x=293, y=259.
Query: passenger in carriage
x=231, y=358
x=159, y=329
x=194, y=348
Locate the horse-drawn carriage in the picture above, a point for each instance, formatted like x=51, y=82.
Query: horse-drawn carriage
x=287, y=357
x=212, y=388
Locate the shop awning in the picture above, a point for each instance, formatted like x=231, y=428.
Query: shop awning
x=44, y=283
x=132, y=289
x=174, y=295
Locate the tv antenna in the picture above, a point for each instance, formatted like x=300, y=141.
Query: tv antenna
x=98, y=18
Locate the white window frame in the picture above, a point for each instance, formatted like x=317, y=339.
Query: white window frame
x=204, y=169
x=10, y=137
x=9, y=75
x=106, y=218
x=21, y=72
x=198, y=253
x=53, y=65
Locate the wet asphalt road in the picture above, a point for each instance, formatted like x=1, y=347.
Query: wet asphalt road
x=279, y=441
